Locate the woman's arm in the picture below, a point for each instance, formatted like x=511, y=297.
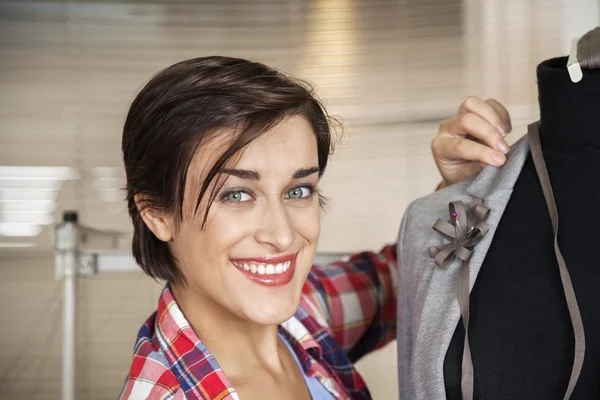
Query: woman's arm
x=358, y=299
x=472, y=139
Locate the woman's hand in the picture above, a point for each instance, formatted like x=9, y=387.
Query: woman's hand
x=471, y=139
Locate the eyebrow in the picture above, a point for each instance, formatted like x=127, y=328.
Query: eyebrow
x=242, y=174
x=252, y=175
x=304, y=172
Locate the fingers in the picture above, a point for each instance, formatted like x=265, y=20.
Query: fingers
x=461, y=148
x=502, y=113
x=479, y=128
x=472, y=139
x=473, y=125
x=464, y=172
x=490, y=110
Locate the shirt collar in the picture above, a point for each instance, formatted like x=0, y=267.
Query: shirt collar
x=301, y=335
x=172, y=325
x=170, y=321
x=196, y=369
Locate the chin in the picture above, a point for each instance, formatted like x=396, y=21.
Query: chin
x=273, y=312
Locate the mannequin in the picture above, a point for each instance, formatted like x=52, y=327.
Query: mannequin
x=520, y=332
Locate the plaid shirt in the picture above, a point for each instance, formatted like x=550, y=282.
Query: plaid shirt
x=347, y=310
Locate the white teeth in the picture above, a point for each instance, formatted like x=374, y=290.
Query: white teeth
x=264, y=269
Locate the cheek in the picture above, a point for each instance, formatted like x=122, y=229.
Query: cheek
x=308, y=224
x=224, y=230
x=194, y=246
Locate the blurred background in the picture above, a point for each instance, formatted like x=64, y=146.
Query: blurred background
x=391, y=69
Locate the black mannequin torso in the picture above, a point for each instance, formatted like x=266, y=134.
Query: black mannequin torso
x=520, y=331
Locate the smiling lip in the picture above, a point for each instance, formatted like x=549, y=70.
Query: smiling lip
x=278, y=276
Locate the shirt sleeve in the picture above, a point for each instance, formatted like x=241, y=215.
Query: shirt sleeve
x=357, y=299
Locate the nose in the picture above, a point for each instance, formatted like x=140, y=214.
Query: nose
x=275, y=229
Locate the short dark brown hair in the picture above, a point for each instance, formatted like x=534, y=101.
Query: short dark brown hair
x=187, y=103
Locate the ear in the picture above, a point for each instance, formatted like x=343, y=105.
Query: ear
x=160, y=224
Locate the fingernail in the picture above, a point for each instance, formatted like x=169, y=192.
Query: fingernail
x=498, y=159
x=503, y=147
x=502, y=128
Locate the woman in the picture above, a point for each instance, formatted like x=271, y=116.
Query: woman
x=223, y=160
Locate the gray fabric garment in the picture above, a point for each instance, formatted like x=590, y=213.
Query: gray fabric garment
x=588, y=49
x=428, y=309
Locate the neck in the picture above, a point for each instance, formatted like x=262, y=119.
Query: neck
x=570, y=112
x=237, y=344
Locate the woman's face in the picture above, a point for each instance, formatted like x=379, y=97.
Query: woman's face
x=260, y=238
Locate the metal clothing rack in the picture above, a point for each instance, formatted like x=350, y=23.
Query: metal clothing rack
x=82, y=252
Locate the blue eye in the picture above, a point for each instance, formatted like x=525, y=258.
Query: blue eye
x=236, y=197
x=299, y=192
